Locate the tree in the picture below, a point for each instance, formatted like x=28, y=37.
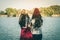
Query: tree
x=56, y=9
x=11, y=11
x=2, y=12
x=49, y=11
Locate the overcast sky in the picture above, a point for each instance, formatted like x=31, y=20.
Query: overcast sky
x=27, y=4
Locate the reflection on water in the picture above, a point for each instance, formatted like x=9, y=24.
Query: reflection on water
x=10, y=29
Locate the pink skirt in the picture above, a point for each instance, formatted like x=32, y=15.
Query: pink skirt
x=26, y=33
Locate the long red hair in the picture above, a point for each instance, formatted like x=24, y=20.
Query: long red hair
x=36, y=12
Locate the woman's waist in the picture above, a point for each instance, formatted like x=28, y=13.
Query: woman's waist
x=36, y=31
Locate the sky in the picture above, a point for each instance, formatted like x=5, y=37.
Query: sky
x=27, y=4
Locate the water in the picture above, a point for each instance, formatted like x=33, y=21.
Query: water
x=10, y=29
x=50, y=28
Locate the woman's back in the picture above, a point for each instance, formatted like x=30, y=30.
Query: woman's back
x=22, y=20
x=38, y=21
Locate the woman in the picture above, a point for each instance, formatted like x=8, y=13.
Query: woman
x=37, y=22
x=24, y=22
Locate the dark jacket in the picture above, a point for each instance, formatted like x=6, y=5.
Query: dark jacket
x=22, y=20
x=38, y=21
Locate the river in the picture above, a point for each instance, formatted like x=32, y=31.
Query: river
x=10, y=29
